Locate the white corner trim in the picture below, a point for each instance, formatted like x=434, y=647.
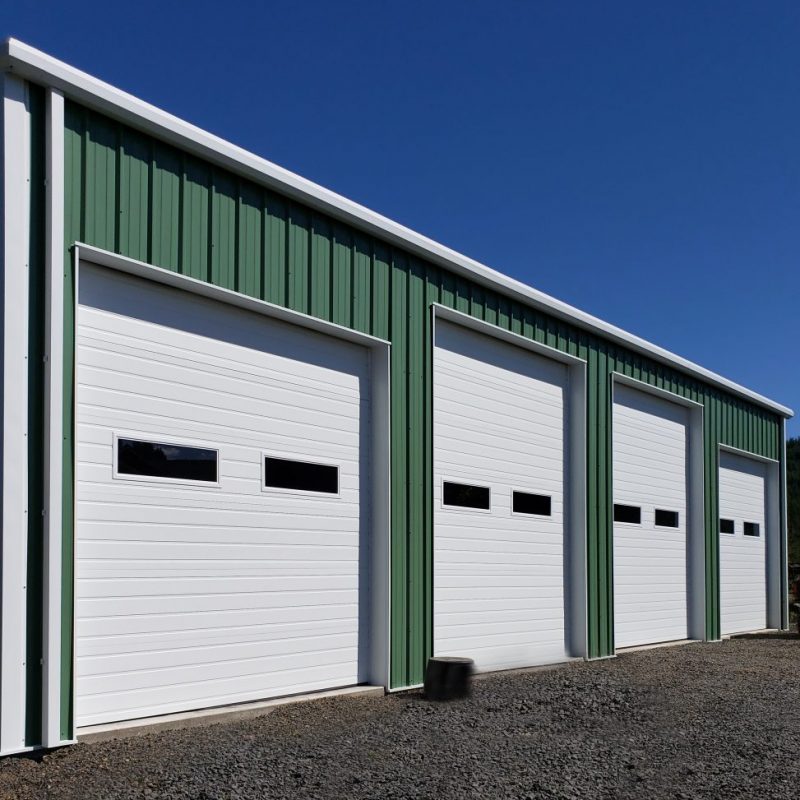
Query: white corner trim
x=53, y=420
x=16, y=170
x=100, y=96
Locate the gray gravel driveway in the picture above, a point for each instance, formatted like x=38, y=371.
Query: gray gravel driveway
x=701, y=720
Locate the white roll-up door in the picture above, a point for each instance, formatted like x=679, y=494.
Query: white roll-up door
x=650, y=518
x=742, y=544
x=499, y=429
x=221, y=503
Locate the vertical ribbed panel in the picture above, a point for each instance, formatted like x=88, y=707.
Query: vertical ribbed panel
x=146, y=200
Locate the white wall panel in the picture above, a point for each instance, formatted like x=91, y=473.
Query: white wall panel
x=15, y=169
x=499, y=421
x=191, y=596
x=742, y=559
x=650, y=562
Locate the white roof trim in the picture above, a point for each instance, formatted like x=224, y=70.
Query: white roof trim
x=37, y=66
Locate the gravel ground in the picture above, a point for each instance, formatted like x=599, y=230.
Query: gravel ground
x=701, y=720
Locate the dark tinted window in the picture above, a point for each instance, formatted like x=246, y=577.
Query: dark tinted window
x=284, y=473
x=465, y=495
x=752, y=529
x=524, y=503
x=726, y=526
x=158, y=460
x=627, y=514
x=666, y=519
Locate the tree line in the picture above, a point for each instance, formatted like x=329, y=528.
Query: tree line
x=793, y=497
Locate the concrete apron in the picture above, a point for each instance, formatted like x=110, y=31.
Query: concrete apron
x=210, y=716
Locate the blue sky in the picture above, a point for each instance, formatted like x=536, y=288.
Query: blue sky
x=639, y=160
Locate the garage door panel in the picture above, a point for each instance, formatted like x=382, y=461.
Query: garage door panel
x=151, y=427
x=484, y=558
x=315, y=648
x=220, y=553
x=158, y=377
x=211, y=691
x=499, y=421
x=99, y=406
x=743, y=559
x=174, y=673
x=466, y=406
x=106, y=385
x=100, y=289
x=338, y=534
x=175, y=367
x=100, y=609
x=220, y=514
x=483, y=442
x=236, y=496
x=218, y=613
x=190, y=595
x=650, y=441
x=518, y=539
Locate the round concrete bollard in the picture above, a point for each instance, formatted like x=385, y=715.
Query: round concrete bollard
x=448, y=677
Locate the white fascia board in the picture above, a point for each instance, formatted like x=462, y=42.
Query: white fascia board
x=36, y=66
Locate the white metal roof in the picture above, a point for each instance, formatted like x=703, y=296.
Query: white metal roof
x=36, y=66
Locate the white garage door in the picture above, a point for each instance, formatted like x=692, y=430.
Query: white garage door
x=742, y=544
x=221, y=505
x=499, y=432
x=650, y=518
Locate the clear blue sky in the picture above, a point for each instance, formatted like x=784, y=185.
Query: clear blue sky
x=638, y=160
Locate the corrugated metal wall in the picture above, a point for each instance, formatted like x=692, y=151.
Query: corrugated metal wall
x=140, y=198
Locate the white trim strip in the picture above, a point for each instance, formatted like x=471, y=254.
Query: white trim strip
x=100, y=96
x=16, y=163
x=496, y=332
x=649, y=388
x=53, y=420
x=726, y=448
x=186, y=283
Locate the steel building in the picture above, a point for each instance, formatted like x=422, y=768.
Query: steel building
x=258, y=440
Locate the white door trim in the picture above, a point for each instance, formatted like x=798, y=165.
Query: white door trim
x=695, y=500
x=380, y=439
x=777, y=608
x=575, y=489
x=53, y=421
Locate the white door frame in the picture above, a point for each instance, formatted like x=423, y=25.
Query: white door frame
x=777, y=600
x=695, y=502
x=574, y=487
x=379, y=578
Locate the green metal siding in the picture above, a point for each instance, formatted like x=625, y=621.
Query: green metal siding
x=144, y=199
